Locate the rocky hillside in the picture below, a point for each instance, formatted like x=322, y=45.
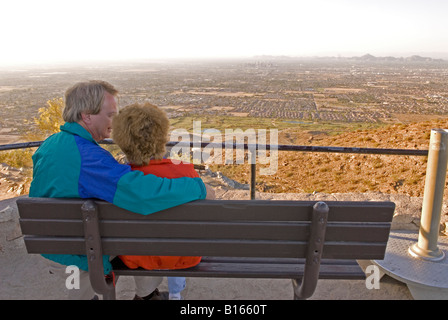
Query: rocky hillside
x=308, y=172
x=13, y=182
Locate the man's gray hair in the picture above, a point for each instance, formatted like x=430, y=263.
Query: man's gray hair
x=85, y=97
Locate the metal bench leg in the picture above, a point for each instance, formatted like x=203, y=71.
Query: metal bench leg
x=94, y=252
x=304, y=288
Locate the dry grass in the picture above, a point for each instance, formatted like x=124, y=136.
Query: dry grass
x=336, y=172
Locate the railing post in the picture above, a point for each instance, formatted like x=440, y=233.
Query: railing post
x=253, y=173
x=426, y=247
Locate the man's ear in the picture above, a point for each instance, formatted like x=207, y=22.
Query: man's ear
x=85, y=117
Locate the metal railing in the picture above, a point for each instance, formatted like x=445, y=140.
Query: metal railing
x=255, y=147
x=299, y=148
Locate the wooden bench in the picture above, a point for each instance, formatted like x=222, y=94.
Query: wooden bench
x=298, y=240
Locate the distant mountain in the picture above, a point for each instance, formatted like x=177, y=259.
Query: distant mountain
x=366, y=57
x=414, y=58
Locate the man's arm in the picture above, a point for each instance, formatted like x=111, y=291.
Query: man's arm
x=146, y=194
x=104, y=178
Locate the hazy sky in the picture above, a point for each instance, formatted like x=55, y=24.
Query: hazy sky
x=35, y=31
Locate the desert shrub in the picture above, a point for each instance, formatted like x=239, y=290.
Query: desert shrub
x=47, y=123
x=20, y=158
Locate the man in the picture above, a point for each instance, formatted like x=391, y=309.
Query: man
x=72, y=164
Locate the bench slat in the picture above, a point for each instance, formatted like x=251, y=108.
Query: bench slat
x=188, y=247
x=203, y=229
x=217, y=210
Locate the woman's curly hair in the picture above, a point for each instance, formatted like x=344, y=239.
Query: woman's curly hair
x=141, y=131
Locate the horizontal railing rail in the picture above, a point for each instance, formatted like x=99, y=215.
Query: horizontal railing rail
x=280, y=147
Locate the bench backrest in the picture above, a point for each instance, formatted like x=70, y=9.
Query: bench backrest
x=237, y=228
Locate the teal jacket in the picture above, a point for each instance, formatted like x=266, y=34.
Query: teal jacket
x=70, y=164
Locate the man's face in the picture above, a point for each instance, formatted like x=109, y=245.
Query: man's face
x=100, y=125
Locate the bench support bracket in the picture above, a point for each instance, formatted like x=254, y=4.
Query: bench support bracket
x=94, y=251
x=304, y=287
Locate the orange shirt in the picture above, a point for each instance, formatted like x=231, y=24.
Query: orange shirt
x=166, y=169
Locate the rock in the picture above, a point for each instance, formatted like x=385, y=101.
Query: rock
x=232, y=183
x=6, y=214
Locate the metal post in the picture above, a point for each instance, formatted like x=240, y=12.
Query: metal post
x=253, y=173
x=426, y=247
